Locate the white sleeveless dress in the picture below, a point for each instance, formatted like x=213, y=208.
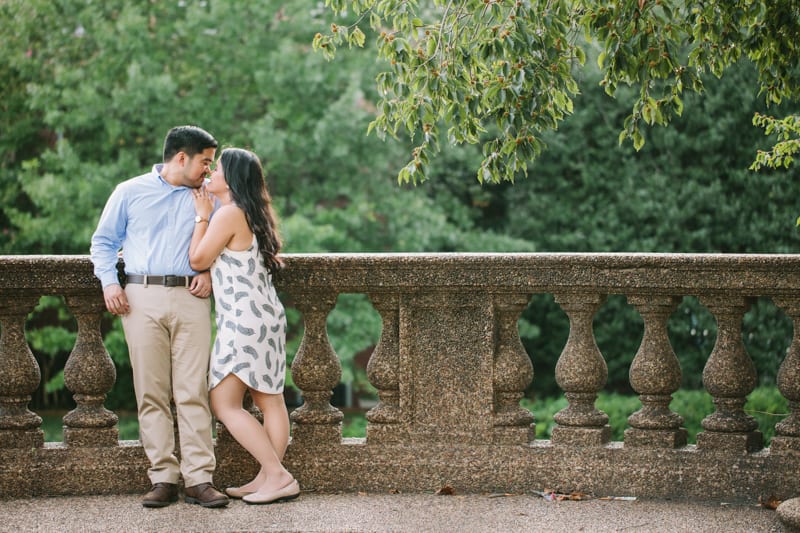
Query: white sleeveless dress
x=251, y=322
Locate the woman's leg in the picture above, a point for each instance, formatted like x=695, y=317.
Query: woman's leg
x=276, y=427
x=226, y=402
x=276, y=419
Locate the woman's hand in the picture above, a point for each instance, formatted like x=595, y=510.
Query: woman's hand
x=203, y=202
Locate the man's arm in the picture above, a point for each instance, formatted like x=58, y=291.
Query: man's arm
x=116, y=299
x=106, y=242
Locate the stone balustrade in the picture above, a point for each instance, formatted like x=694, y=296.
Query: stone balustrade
x=450, y=371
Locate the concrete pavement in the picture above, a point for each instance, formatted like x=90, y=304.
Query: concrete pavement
x=317, y=512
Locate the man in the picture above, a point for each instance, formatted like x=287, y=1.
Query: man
x=166, y=313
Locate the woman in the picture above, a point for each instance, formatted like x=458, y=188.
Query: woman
x=241, y=246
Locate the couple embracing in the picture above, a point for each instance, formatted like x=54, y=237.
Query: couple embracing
x=182, y=236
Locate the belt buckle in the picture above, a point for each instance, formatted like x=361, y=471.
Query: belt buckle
x=170, y=281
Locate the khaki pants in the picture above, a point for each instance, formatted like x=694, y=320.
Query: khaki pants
x=168, y=332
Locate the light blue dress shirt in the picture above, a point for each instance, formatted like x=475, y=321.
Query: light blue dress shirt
x=152, y=222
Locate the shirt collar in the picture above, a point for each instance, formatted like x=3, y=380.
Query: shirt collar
x=157, y=168
x=157, y=172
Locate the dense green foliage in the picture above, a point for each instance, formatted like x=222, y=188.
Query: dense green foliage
x=510, y=66
x=90, y=88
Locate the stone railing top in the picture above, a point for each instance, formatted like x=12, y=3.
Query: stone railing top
x=675, y=274
x=66, y=273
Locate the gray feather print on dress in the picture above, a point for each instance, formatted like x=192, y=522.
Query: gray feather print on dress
x=244, y=281
x=225, y=360
x=250, y=350
x=240, y=366
x=245, y=330
x=231, y=261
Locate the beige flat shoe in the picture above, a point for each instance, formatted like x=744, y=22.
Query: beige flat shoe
x=289, y=492
x=237, y=492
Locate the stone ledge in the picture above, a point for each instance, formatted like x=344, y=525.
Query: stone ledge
x=352, y=466
x=685, y=472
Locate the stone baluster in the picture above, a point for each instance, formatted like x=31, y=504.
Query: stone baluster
x=513, y=372
x=316, y=370
x=581, y=372
x=655, y=374
x=382, y=371
x=19, y=375
x=89, y=373
x=729, y=376
x=787, y=432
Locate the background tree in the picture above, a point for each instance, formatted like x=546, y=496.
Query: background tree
x=503, y=72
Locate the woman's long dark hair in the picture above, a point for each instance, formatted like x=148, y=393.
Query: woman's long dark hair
x=245, y=178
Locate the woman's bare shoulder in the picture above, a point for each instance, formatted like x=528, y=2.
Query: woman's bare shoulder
x=232, y=218
x=230, y=213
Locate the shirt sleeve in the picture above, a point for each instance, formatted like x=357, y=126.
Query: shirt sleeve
x=107, y=239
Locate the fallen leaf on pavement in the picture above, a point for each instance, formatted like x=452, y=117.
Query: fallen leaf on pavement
x=447, y=490
x=770, y=502
x=552, y=496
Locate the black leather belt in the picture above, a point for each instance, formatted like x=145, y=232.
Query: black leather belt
x=166, y=281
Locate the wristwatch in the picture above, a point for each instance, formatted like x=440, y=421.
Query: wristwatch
x=198, y=219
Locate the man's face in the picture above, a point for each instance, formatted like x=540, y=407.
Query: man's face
x=196, y=168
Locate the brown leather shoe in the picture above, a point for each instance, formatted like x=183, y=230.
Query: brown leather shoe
x=161, y=495
x=206, y=495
